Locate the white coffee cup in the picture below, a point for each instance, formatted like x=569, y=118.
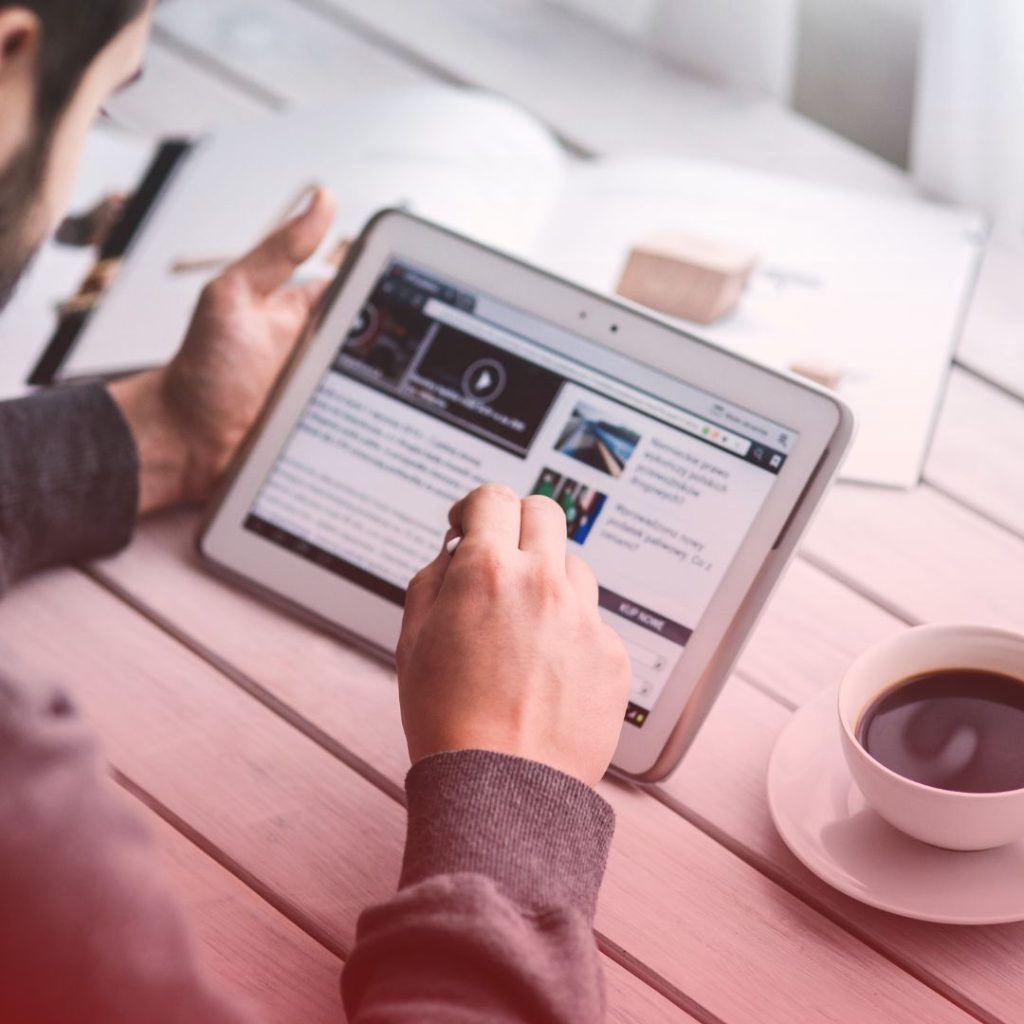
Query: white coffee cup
x=957, y=821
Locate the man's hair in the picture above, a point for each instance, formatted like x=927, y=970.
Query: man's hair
x=74, y=33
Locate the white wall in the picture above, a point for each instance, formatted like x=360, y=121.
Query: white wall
x=855, y=69
x=848, y=64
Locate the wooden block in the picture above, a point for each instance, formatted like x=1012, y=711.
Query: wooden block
x=685, y=276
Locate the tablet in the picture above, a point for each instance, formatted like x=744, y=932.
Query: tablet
x=686, y=473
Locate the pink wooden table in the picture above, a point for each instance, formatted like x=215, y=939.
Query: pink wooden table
x=270, y=757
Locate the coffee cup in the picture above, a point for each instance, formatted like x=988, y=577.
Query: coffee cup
x=949, y=818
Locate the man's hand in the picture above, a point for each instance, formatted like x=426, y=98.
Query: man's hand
x=502, y=647
x=189, y=417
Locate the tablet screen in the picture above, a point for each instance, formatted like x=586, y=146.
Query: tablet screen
x=438, y=389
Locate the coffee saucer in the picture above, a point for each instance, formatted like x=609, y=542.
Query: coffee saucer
x=825, y=821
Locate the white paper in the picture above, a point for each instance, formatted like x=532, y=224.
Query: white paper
x=472, y=162
x=874, y=287
x=112, y=162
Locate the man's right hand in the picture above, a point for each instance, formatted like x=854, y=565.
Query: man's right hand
x=502, y=647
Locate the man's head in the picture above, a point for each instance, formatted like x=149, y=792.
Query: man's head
x=60, y=61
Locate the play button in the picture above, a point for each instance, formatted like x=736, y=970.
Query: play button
x=484, y=380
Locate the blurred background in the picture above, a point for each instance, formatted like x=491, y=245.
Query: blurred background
x=933, y=86
x=754, y=108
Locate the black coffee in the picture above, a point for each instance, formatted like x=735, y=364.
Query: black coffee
x=960, y=729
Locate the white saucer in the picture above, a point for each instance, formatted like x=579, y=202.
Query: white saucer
x=825, y=821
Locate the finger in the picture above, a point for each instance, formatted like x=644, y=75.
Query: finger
x=490, y=514
x=272, y=263
x=420, y=596
x=582, y=580
x=542, y=529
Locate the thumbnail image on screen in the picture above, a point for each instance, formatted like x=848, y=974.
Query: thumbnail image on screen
x=594, y=441
x=581, y=504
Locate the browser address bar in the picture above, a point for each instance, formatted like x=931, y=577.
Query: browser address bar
x=687, y=421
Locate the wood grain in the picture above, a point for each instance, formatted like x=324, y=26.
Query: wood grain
x=249, y=946
x=304, y=825
x=921, y=555
x=810, y=632
x=724, y=911
x=977, y=456
x=632, y=1001
x=288, y=976
x=991, y=343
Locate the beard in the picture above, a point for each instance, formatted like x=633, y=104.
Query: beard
x=20, y=185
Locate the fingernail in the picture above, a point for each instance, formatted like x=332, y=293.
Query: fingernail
x=305, y=201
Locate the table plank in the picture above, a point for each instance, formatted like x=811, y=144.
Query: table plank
x=248, y=945
x=727, y=912
x=810, y=632
x=253, y=949
x=633, y=1001
x=977, y=456
x=993, y=339
x=301, y=821
x=921, y=555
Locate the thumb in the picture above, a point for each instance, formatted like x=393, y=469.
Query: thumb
x=308, y=294
x=272, y=263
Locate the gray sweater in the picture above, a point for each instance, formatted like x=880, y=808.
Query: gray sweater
x=503, y=859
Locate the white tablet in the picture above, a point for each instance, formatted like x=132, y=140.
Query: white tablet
x=686, y=473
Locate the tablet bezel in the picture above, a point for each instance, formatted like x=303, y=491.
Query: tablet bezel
x=822, y=421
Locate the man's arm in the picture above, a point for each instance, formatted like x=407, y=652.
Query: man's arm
x=77, y=464
x=68, y=480
x=513, y=693
x=493, y=920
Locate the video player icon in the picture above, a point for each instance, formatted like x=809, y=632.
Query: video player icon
x=485, y=380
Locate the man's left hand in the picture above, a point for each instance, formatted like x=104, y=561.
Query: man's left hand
x=189, y=417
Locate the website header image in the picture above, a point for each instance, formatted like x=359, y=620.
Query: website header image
x=444, y=371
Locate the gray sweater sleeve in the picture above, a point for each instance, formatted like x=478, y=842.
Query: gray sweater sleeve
x=69, y=479
x=493, y=919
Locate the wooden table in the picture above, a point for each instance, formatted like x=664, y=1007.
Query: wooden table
x=269, y=757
